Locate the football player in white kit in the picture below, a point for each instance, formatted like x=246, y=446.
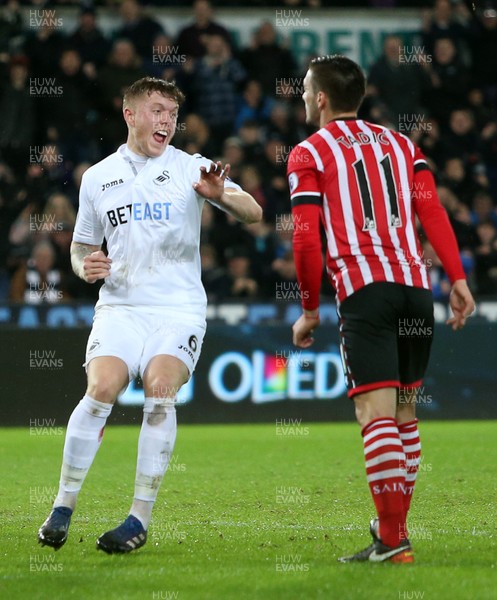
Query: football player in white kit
x=145, y=200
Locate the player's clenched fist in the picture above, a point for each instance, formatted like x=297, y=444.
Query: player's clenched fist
x=96, y=266
x=303, y=330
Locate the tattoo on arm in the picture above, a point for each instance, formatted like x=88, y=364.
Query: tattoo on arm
x=78, y=253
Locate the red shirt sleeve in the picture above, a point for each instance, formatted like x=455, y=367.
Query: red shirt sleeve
x=303, y=180
x=434, y=219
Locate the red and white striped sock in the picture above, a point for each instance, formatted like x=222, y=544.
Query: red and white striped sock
x=412, y=449
x=385, y=470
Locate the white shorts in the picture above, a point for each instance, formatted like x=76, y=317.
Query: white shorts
x=137, y=334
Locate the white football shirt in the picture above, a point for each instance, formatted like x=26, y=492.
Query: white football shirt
x=149, y=214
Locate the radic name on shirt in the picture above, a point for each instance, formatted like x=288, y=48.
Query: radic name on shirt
x=157, y=211
x=363, y=138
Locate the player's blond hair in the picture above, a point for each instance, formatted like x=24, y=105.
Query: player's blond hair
x=149, y=85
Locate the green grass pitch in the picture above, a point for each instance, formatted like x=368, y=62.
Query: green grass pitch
x=252, y=512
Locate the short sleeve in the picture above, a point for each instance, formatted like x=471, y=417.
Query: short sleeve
x=200, y=161
x=88, y=228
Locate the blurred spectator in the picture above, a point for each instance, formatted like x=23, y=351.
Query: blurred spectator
x=460, y=218
x=43, y=48
x=281, y=125
x=10, y=25
x=233, y=155
x=9, y=210
x=266, y=253
x=67, y=119
x=486, y=259
x=59, y=212
x=440, y=284
x=121, y=70
x=207, y=225
x=194, y=137
x=482, y=112
x=89, y=41
x=55, y=170
x=73, y=185
x=59, y=218
x=456, y=177
x=33, y=189
x=250, y=180
x=429, y=140
x=17, y=110
x=251, y=134
x=283, y=264
x=228, y=234
x=449, y=80
x=27, y=228
x=488, y=137
x=138, y=27
x=241, y=282
x=266, y=60
x=483, y=210
x=461, y=139
x=192, y=40
x=221, y=231
x=447, y=20
x=302, y=129
x=214, y=278
x=484, y=49
x=216, y=81
x=45, y=173
x=273, y=172
x=164, y=60
x=253, y=105
x=38, y=281
x=396, y=84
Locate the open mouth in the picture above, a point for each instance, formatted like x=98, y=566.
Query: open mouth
x=160, y=136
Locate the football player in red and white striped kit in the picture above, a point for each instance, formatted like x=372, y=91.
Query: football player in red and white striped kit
x=365, y=185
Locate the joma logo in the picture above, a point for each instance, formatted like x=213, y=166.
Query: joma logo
x=106, y=186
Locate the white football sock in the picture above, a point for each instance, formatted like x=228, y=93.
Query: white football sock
x=83, y=437
x=155, y=447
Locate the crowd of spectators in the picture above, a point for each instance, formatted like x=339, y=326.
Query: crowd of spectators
x=60, y=101
x=313, y=4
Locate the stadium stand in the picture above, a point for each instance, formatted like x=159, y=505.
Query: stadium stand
x=46, y=144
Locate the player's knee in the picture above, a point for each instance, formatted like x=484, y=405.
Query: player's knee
x=163, y=386
x=376, y=404
x=104, y=389
x=362, y=415
x=366, y=414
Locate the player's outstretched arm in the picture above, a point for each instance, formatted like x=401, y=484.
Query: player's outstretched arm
x=461, y=303
x=89, y=262
x=239, y=204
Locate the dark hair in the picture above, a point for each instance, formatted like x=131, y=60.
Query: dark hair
x=341, y=79
x=149, y=85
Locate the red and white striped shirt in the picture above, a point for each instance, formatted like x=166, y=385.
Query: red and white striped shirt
x=365, y=184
